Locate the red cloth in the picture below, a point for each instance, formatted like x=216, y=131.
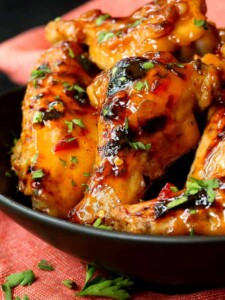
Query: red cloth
x=20, y=250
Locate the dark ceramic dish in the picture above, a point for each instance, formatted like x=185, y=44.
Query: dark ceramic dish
x=190, y=261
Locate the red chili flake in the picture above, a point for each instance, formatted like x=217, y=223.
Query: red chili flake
x=167, y=191
x=66, y=143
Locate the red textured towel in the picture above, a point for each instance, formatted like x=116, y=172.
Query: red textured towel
x=20, y=250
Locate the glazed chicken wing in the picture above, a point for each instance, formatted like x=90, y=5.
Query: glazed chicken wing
x=163, y=25
x=148, y=106
x=180, y=213
x=56, y=150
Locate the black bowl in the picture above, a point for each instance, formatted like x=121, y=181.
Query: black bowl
x=190, y=261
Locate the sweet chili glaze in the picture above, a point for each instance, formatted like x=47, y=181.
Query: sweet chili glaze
x=197, y=215
x=147, y=121
x=59, y=132
x=158, y=26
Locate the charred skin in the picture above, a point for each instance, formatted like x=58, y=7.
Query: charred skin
x=147, y=121
x=158, y=26
x=54, y=154
x=208, y=220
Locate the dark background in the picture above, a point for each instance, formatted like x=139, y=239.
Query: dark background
x=19, y=15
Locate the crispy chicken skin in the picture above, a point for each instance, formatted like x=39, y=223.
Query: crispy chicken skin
x=59, y=132
x=195, y=217
x=148, y=106
x=163, y=25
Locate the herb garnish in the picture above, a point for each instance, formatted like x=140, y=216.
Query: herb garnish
x=74, y=159
x=73, y=87
x=40, y=72
x=78, y=122
x=34, y=159
x=194, y=186
x=105, y=36
x=86, y=174
x=201, y=23
x=69, y=283
x=38, y=174
x=147, y=65
x=44, y=265
x=8, y=174
x=69, y=125
x=25, y=297
x=63, y=162
x=98, y=224
x=73, y=183
x=38, y=117
x=101, y=19
x=99, y=286
x=136, y=23
x=13, y=280
x=140, y=85
x=71, y=53
x=126, y=125
x=140, y=146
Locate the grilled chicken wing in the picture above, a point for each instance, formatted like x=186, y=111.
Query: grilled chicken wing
x=163, y=25
x=56, y=150
x=198, y=214
x=147, y=121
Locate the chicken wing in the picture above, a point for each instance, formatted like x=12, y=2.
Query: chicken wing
x=163, y=25
x=56, y=151
x=148, y=106
x=198, y=214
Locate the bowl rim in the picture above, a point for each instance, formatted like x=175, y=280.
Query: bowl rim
x=101, y=233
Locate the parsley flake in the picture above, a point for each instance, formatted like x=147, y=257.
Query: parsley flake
x=101, y=19
x=140, y=146
x=74, y=159
x=174, y=189
x=69, y=283
x=136, y=23
x=45, y=266
x=78, y=122
x=147, y=65
x=73, y=183
x=105, y=36
x=41, y=72
x=126, y=125
x=86, y=174
x=63, y=162
x=99, y=286
x=38, y=174
x=38, y=117
x=8, y=174
x=98, y=224
x=69, y=125
x=140, y=85
x=194, y=186
x=13, y=280
x=201, y=23
x=71, y=53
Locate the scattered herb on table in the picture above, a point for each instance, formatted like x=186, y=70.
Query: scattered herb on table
x=13, y=280
x=45, y=266
x=98, y=286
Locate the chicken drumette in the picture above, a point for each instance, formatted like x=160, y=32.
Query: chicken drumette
x=163, y=25
x=59, y=132
x=199, y=208
x=148, y=106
